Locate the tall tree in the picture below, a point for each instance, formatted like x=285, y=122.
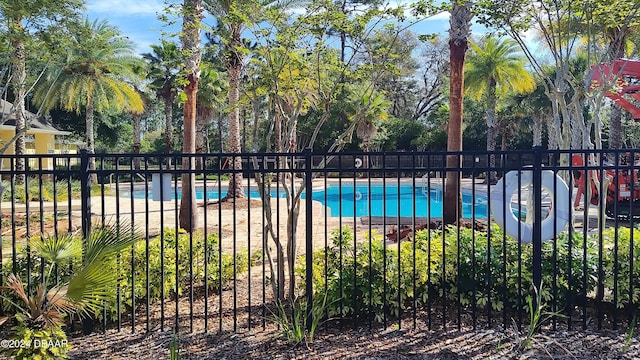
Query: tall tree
x=191, y=28
x=141, y=72
x=22, y=17
x=93, y=77
x=494, y=68
x=165, y=62
x=434, y=69
x=234, y=16
x=210, y=88
x=459, y=32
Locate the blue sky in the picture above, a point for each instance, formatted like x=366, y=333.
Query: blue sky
x=136, y=19
x=139, y=20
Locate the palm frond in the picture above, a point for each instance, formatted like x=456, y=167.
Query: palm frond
x=106, y=241
x=57, y=299
x=90, y=287
x=14, y=284
x=50, y=318
x=58, y=249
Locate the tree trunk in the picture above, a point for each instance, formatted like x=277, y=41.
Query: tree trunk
x=538, y=123
x=168, y=125
x=203, y=114
x=503, y=143
x=491, y=130
x=615, y=127
x=137, y=138
x=459, y=21
x=617, y=40
x=19, y=78
x=191, y=45
x=91, y=145
x=236, y=188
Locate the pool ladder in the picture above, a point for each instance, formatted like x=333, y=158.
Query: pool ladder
x=431, y=194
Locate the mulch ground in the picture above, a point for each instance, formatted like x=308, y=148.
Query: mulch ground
x=229, y=336
x=360, y=344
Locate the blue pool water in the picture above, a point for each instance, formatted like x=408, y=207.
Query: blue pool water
x=376, y=200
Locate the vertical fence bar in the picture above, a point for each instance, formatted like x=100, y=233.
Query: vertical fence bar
x=537, y=221
x=308, y=173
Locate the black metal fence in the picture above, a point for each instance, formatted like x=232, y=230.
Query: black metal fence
x=356, y=237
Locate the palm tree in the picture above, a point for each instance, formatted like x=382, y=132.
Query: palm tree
x=236, y=59
x=89, y=286
x=21, y=18
x=93, y=77
x=493, y=69
x=233, y=15
x=165, y=62
x=209, y=98
x=139, y=84
x=459, y=32
x=191, y=23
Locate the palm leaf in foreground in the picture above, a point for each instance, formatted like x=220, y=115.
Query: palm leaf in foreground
x=107, y=240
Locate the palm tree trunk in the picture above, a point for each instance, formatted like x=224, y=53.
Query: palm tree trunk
x=19, y=78
x=137, y=138
x=191, y=45
x=236, y=188
x=91, y=146
x=168, y=125
x=616, y=49
x=460, y=22
x=615, y=127
x=491, y=130
x=203, y=113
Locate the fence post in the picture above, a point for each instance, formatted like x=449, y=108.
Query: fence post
x=537, y=217
x=308, y=173
x=85, y=193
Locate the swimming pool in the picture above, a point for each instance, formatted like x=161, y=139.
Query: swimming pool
x=364, y=200
x=378, y=200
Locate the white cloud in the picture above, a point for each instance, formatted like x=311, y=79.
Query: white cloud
x=125, y=7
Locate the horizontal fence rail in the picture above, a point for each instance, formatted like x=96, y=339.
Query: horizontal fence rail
x=358, y=238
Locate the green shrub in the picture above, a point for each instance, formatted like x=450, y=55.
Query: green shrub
x=373, y=279
x=378, y=279
x=29, y=342
x=617, y=257
x=47, y=191
x=216, y=275
x=162, y=268
x=499, y=262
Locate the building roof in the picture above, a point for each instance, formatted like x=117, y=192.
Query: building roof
x=37, y=124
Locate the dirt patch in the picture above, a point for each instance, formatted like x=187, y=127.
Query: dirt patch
x=348, y=343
